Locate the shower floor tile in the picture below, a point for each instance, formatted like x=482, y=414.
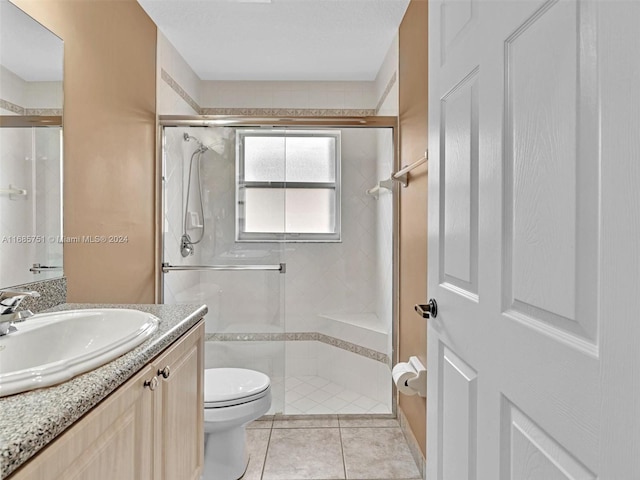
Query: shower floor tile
x=317, y=395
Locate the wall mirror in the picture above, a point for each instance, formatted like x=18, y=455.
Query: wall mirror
x=31, y=69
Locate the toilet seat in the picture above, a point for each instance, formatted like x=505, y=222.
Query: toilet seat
x=224, y=387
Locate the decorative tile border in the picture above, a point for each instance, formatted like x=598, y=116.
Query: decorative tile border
x=175, y=86
x=46, y=112
x=357, y=349
x=290, y=112
x=271, y=112
x=37, y=112
x=12, y=107
x=385, y=94
x=300, y=336
x=414, y=447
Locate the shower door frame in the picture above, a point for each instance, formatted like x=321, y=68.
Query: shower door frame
x=293, y=122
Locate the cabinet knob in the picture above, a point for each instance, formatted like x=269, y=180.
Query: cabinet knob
x=151, y=384
x=165, y=372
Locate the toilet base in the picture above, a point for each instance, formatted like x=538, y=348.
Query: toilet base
x=225, y=452
x=225, y=455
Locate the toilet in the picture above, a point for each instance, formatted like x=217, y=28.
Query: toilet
x=233, y=397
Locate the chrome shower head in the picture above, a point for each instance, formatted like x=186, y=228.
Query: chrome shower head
x=217, y=147
x=188, y=137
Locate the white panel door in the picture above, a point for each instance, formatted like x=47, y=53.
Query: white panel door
x=534, y=240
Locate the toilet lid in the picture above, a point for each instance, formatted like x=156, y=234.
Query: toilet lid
x=231, y=386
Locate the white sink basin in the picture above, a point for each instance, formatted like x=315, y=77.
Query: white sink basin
x=50, y=348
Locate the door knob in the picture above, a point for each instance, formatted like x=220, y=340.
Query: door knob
x=430, y=310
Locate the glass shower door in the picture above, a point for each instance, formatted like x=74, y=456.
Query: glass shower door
x=206, y=261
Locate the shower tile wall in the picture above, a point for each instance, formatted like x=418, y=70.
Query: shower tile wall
x=321, y=278
x=179, y=287
x=326, y=284
x=384, y=237
x=338, y=281
x=387, y=92
x=238, y=301
x=320, y=378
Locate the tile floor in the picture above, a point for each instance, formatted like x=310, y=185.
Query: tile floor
x=326, y=448
x=315, y=395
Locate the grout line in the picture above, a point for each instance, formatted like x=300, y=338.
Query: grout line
x=370, y=426
x=344, y=464
x=266, y=453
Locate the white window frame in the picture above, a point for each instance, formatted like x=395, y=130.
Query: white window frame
x=286, y=237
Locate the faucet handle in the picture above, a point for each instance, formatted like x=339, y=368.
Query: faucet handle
x=10, y=299
x=17, y=294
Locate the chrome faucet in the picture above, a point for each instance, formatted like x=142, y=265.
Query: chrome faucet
x=9, y=301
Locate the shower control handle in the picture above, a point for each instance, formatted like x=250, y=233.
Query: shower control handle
x=165, y=372
x=430, y=310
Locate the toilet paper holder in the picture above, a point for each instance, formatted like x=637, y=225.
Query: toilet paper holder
x=411, y=377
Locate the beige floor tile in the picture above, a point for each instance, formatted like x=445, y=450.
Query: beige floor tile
x=376, y=453
x=346, y=422
x=261, y=423
x=326, y=422
x=257, y=443
x=301, y=454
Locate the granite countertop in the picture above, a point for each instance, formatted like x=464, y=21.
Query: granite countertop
x=30, y=420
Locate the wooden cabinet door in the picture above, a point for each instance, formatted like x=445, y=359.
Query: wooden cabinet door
x=179, y=409
x=114, y=440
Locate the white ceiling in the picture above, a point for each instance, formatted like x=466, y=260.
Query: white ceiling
x=27, y=48
x=321, y=40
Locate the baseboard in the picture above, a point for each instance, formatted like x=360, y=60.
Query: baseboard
x=414, y=446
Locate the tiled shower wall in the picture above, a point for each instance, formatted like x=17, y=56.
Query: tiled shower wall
x=384, y=237
x=180, y=287
x=321, y=279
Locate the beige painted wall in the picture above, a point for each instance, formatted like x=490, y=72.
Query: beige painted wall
x=109, y=144
x=413, y=201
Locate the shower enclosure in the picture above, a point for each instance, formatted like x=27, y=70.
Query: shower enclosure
x=271, y=226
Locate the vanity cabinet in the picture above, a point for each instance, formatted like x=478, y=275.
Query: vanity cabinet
x=150, y=428
x=179, y=418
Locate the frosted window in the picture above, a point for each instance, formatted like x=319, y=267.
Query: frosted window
x=291, y=159
x=308, y=210
x=264, y=159
x=311, y=159
x=264, y=210
x=288, y=185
